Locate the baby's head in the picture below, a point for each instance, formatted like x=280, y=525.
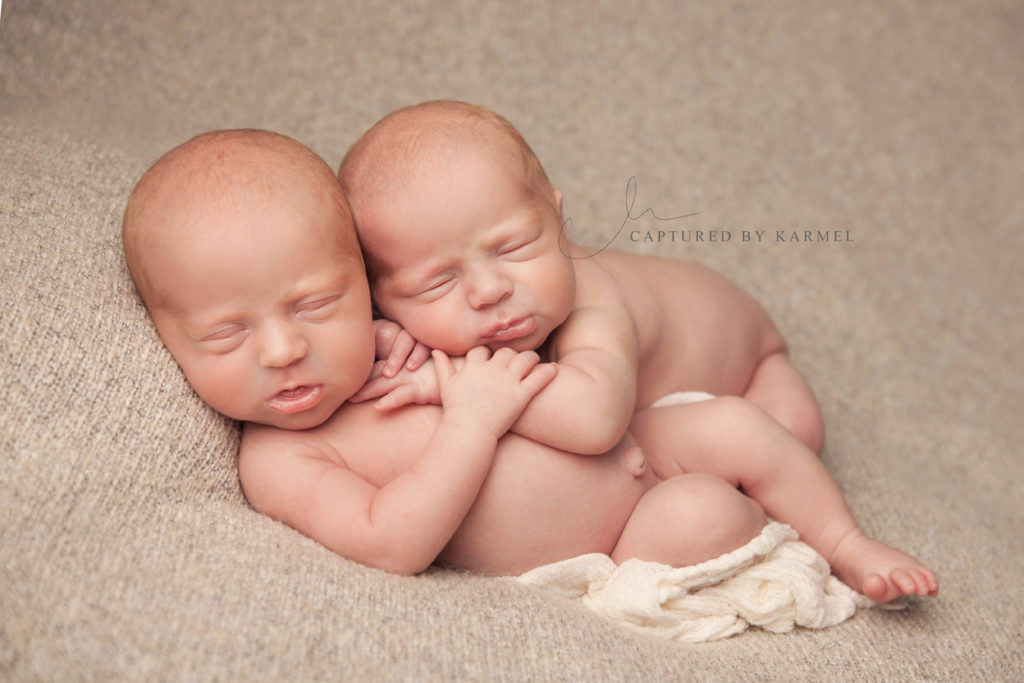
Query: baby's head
x=460, y=227
x=242, y=247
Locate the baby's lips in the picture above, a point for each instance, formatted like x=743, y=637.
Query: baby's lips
x=296, y=399
x=515, y=329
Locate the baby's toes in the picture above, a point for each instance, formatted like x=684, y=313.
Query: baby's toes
x=876, y=587
x=927, y=584
x=906, y=580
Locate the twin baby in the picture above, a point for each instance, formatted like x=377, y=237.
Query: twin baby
x=515, y=421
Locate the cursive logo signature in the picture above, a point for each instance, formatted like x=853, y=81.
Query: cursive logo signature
x=630, y=216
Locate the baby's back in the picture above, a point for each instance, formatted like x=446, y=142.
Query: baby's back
x=697, y=331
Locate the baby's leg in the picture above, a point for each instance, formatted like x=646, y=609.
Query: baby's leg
x=735, y=440
x=782, y=392
x=689, y=519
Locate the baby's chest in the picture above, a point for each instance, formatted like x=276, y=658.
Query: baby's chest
x=379, y=447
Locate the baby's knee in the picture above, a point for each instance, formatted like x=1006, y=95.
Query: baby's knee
x=807, y=424
x=745, y=424
x=736, y=518
x=785, y=394
x=688, y=519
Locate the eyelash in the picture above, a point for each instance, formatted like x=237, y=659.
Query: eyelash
x=442, y=281
x=224, y=334
x=316, y=304
x=436, y=285
x=516, y=246
x=226, y=340
x=228, y=332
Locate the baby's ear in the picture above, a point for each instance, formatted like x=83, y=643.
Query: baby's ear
x=557, y=196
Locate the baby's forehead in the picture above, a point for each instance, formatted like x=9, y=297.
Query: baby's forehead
x=225, y=172
x=426, y=148
x=220, y=175
x=450, y=137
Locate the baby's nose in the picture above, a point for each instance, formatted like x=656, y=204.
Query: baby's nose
x=487, y=286
x=281, y=346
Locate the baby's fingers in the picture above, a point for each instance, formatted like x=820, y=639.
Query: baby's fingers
x=375, y=385
x=539, y=377
x=420, y=354
x=403, y=395
x=443, y=366
x=402, y=346
x=523, y=362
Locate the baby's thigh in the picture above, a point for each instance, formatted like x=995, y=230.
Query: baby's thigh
x=689, y=519
x=718, y=436
x=780, y=390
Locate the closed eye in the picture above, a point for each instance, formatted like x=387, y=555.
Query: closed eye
x=225, y=338
x=518, y=248
x=318, y=308
x=437, y=287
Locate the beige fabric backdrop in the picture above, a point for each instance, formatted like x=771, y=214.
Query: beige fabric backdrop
x=126, y=548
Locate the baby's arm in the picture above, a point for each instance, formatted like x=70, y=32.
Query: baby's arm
x=587, y=407
x=402, y=525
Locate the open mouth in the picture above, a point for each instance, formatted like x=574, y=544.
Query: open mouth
x=296, y=399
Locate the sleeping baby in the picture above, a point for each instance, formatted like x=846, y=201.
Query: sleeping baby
x=462, y=235
x=241, y=244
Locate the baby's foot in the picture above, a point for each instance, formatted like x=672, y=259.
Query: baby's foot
x=881, y=572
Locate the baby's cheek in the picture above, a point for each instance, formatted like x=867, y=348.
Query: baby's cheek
x=430, y=324
x=225, y=386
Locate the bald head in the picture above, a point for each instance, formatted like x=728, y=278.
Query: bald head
x=391, y=153
x=216, y=172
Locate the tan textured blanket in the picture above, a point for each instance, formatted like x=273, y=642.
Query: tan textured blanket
x=127, y=551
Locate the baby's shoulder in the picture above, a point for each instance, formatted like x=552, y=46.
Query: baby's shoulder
x=628, y=262
x=647, y=272
x=356, y=437
x=265, y=448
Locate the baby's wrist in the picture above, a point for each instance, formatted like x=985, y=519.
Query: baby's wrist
x=466, y=424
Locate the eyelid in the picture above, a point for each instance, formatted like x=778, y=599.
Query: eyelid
x=318, y=308
x=431, y=286
x=222, y=332
x=317, y=302
x=431, y=281
x=518, y=244
x=225, y=338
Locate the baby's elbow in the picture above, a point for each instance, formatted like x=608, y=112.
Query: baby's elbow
x=395, y=553
x=401, y=566
x=394, y=560
x=602, y=436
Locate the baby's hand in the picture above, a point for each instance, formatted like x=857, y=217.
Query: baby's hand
x=404, y=388
x=397, y=348
x=491, y=391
